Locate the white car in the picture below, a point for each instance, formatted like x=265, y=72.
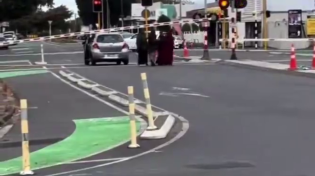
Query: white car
x=132, y=41
x=3, y=42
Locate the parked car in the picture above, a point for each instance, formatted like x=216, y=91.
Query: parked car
x=3, y=44
x=109, y=47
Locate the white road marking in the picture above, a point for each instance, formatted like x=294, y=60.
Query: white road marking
x=177, y=137
x=181, y=88
x=24, y=52
x=99, y=160
x=189, y=94
x=20, y=49
x=14, y=61
x=38, y=54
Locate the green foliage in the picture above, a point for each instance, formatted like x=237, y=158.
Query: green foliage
x=14, y=9
x=38, y=22
x=163, y=19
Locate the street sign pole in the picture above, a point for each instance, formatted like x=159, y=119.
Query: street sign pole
x=50, y=22
x=146, y=21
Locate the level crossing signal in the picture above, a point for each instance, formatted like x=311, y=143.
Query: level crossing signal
x=97, y=5
x=146, y=3
x=224, y=4
x=240, y=4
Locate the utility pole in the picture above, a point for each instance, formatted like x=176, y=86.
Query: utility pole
x=265, y=25
x=107, y=14
x=122, y=12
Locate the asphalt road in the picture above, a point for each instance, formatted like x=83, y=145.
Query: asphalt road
x=52, y=107
x=243, y=123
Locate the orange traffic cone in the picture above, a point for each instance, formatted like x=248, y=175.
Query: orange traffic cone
x=313, y=61
x=186, y=52
x=293, y=62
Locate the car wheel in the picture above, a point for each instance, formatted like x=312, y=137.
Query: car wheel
x=93, y=62
x=126, y=62
x=118, y=62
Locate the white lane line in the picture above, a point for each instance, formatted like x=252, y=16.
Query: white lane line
x=38, y=54
x=24, y=52
x=20, y=49
x=184, y=130
x=99, y=160
x=143, y=123
x=14, y=61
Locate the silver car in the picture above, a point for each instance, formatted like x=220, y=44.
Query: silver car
x=109, y=47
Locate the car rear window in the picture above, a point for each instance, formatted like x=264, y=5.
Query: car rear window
x=127, y=35
x=8, y=36
x=109, y=39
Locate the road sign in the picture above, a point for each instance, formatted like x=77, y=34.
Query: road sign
x=205, y=24
x=310, y=25
x=144, y=12
x=5, y=24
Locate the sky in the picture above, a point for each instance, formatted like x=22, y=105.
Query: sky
x=272, y=4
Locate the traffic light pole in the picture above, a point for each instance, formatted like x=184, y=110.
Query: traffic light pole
x=233, y=26
x=265, y=23
x=146, y=22
x=99, y=20
x=206, y=48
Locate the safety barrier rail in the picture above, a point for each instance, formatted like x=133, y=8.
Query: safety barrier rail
x=110, y=30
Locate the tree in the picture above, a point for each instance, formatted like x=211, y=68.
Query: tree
x=38, y=22
x=14, y=9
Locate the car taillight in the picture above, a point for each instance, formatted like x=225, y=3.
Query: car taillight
x=95, y=46
x=125, y=48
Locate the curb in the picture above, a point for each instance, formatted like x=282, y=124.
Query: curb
x=10, y=109
x=160, y=133
x=123, y=101
x=303, y=73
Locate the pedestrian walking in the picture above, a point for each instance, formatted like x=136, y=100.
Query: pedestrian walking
x=153, y=46
x=142, y=48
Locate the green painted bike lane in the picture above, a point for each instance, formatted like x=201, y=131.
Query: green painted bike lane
x=91, y=137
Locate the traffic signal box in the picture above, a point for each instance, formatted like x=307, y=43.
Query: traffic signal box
x=146, y=3
x=97, y=5
x=224, y=4
x=240, y=4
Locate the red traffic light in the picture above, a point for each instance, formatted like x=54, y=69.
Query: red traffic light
x=224, y=4
x=97, y=2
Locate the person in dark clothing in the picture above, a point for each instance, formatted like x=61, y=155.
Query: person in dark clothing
x=142, y=48
x=153, y=46
x=165, y=49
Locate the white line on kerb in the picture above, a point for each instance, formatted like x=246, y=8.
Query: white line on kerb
x=177, y=137
x=95, y=161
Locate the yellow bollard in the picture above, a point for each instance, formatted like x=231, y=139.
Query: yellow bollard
x=133, y=126
x=25, y=141
x=148, y=101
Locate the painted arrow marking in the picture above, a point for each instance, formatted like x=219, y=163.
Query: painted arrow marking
x=178, y=94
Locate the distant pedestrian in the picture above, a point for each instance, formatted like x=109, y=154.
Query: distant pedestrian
x=153, y=46
x=142, y=48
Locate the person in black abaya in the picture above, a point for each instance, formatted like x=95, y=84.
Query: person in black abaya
x=153, y=46
x=142, y=48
